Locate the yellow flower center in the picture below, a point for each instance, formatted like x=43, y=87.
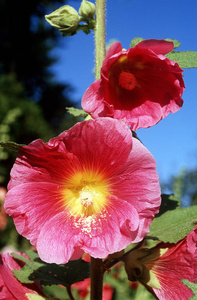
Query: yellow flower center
x=85, y=194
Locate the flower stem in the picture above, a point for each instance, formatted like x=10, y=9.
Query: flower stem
x=96, y=273
x=99, y=36
x=97, y=267
x=68, y=288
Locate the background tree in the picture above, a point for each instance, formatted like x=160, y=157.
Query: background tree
x=32, y=103
x=184, y=186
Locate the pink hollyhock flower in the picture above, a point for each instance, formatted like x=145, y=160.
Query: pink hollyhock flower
x=140, y=86
x=10, y=287
x=92, y=189
x=162, y=268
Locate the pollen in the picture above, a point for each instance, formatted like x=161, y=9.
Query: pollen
x=85, y=194
x=86, y=197
x=127, y=81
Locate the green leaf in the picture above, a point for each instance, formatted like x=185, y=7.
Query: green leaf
x=185, y=59
x=135, y=41
x=176, y=43
x=192, y=287
x=77, y=112
x=168, y=202
x=11, y=146
x=174, y=225
x=35, y=270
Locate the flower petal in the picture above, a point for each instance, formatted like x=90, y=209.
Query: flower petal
x=139, y=86
x=157, y=46
x=81, y=191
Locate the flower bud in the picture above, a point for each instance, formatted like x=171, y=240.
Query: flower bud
x=136, y=269
x=87, y=9
x=66, y=19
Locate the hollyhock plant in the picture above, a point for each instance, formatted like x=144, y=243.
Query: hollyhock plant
x=92, y=189
x=162, y=268
x=140, y=85
x=83, y=287
x=10, y=287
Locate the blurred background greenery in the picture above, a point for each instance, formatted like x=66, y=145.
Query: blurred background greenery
x=32, y=102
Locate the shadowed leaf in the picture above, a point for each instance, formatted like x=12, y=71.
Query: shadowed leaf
x=35, y=270
x=168, y=202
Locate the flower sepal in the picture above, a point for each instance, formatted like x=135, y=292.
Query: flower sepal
x=137, y=270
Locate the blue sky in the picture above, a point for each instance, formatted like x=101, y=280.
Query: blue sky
x=173, y=142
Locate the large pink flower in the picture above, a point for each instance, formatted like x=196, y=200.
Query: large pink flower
x=162, y=268
x=140, y=86
x=92, y=189
x=10, y=287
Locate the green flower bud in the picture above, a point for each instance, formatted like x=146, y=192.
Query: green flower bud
x=66, y=19
x=87, y=9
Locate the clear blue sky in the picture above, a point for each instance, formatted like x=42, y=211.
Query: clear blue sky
x=173, y=141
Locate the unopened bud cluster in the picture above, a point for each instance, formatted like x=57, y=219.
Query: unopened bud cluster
x=67, y=19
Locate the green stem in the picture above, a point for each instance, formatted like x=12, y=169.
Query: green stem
x=97, y=267
x=96, y=273
x=99, y=36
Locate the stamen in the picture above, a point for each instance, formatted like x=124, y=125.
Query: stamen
x=127, y=81
x=86, y=197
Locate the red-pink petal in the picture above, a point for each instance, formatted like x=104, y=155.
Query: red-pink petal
x=10, y=287
x=157, y=46
x=113, y=49
x=177, y=263
x=156, y=90
x=38, y=198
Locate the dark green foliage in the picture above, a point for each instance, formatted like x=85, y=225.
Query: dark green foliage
x=168, y=202
x=21, y=120
x=25, y=42
x=32, y=103
x=35, y=270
